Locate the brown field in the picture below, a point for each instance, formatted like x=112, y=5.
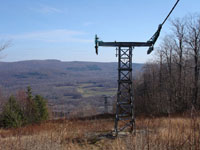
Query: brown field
x=164, y=133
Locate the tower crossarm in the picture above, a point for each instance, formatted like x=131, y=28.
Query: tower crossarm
x=121, y=44
x=124, y=44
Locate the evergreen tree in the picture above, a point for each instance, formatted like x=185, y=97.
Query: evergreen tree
x=29, y=93
x=12, y=115
x=41, y=108
x=33, y=110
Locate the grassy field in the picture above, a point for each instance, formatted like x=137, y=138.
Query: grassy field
x=164, y=133
x=88, y=90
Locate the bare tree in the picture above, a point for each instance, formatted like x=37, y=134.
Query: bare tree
x=171, y=84
x=167, y=50
x=179, y=33
x=192, y=40
x=4, y=45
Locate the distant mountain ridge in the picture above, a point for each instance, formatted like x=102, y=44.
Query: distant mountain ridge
x=42, y=69
x=71, y=83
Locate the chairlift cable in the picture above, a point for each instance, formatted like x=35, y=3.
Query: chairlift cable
x=170, y=12
x=154, y=38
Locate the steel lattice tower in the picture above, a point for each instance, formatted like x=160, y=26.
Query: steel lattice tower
x=124, y=106
x=124, y=118
x=125, y=103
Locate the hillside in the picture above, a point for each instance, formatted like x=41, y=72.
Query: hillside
x=166, y=133
x=68, y=86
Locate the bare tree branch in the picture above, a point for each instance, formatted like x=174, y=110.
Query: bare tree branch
x=4, y=45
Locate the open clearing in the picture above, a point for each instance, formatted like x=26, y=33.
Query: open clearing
x=151, y=133
x=88, y=90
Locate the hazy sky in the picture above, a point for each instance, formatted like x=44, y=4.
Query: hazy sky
x=65, y=29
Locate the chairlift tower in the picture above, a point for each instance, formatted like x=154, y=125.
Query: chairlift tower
x=124, y=117
x=125, y=103
x=105, y=104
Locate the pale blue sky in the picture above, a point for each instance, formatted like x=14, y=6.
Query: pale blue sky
x=65, y=29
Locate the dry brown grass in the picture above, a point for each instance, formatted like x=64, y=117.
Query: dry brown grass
x=176, y=133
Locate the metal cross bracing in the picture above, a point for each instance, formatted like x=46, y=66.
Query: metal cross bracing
x=124, y=110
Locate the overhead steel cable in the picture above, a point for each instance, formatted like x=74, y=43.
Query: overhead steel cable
x=170, y=12
x=154, y=38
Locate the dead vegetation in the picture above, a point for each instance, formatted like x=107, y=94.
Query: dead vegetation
x=179, y=133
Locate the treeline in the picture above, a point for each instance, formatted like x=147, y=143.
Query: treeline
x=23, y=109
x=170, y=83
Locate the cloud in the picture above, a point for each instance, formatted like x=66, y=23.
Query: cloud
x=58, y=35
x=45, y=9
